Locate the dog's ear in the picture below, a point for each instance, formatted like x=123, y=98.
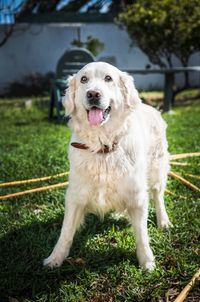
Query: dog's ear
x=68, y=100
x=131, y=97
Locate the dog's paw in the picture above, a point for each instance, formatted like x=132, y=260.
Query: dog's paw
x=165, y=223
x=147, y=262
x=53, y=261
x=149, y=265
x=146, y=259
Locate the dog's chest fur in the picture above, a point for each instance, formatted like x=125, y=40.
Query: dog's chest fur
x=111, y=181
x=109, y=178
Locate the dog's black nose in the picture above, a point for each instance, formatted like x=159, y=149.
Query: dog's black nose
x=93, y=97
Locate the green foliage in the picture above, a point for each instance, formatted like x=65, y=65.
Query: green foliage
x=107, y=270
x=92, y=44
x=163, y=28
x=30, y=85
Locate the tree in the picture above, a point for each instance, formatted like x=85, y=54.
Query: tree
x=164, y=28
x=92, y=44
x=22, y=8
x=9, y=11
x=42, y=6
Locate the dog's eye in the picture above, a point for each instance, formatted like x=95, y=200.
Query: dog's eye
x=84, y=79
x=108, y=78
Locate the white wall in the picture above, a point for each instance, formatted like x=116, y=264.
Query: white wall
x=37, y=48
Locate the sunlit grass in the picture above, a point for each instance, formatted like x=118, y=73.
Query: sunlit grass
x=103, y=265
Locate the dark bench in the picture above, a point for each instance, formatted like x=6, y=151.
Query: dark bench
x=169, y=80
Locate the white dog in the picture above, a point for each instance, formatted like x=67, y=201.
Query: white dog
x=118, y=156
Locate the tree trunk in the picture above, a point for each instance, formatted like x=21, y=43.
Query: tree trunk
x=7, y=35
x=186, y=74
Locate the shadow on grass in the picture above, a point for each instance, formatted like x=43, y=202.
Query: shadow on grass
x=22, y=252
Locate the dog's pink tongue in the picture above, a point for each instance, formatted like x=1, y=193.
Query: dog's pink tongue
x=95, y=116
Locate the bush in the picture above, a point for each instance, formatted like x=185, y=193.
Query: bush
x=31, y=85
x=164, y=28
x=92, y=44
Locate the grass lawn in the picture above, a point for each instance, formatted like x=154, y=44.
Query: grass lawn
x=103, y=265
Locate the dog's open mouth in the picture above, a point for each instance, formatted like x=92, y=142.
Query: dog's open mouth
x=97, y=116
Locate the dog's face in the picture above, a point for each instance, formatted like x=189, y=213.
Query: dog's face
x=99, y=92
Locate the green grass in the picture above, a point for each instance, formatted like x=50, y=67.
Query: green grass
x=103, y=265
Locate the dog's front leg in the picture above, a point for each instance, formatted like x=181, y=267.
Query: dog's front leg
x=139, y=215
x=74, y=215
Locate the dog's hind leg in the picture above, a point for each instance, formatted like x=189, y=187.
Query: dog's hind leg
x=74, y=215
x=138, y=215
x=161, y=213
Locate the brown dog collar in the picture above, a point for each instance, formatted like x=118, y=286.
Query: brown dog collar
x=104, y=149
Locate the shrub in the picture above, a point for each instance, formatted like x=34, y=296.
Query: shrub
x=30, y=85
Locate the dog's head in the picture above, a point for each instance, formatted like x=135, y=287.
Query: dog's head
x=100, y=92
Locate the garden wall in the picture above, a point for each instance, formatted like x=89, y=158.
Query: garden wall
x=37, y=48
